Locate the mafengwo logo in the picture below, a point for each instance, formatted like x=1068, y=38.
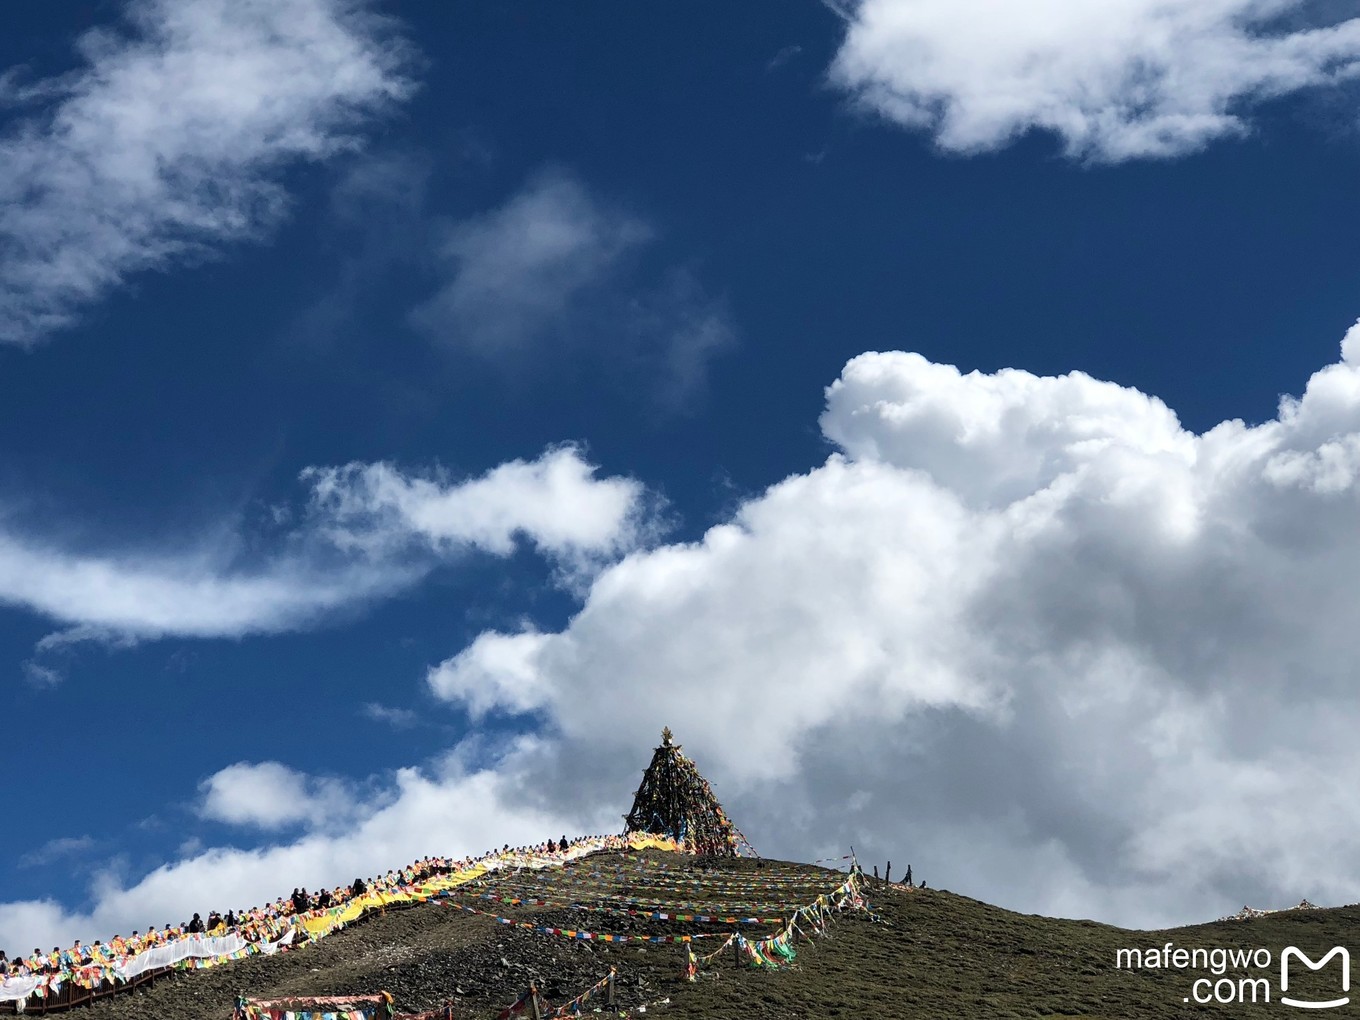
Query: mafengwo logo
x=1292, y=953
x=1245, y=976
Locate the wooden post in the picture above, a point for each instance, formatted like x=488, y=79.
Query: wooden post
x=534, y=1010
x=887, y=875
x=736, y=950
x=876, y=873
x=609, y=989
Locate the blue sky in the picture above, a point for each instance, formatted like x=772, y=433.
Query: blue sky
x=410, y=408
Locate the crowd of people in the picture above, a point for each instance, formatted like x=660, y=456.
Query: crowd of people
x=260, y=924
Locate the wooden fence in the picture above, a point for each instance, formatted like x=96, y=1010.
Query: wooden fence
x=72, y=994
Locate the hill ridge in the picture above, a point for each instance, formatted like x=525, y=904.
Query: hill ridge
x=940, y=955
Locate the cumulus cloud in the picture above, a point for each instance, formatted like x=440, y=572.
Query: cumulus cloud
x=1025, y=632
x=368, y=531
x=269, y=795
x=1121, y=79
x=170, y=138
x=556, y=271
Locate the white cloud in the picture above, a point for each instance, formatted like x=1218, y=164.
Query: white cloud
x=1115, y=80
x=555, y=274
x=1016, y=626
x=555, y=502
x=169, y=141
x=497, y=671
x=269, y=795
x=370, y=531
x=991, y=439
x=194, y=595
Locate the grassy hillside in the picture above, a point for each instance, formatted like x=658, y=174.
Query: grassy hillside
x=935, y=955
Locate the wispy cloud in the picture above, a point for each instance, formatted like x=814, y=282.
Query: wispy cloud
x=56, y=849
x=514, y=272
x=40, y=676
x=170, y=138
x=556, y=275
x=397, y=718
x=781, y=58
x=366, y=531
x=378, y=227
x=1116, y=80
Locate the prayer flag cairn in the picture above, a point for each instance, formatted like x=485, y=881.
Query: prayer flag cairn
x=1247, y=913
x=675, y=800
